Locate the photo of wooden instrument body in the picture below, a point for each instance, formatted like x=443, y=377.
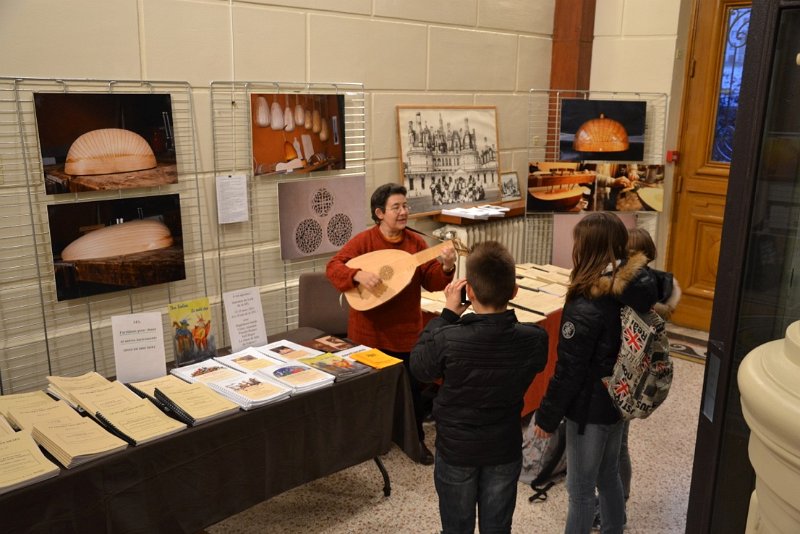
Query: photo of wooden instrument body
x=395, y=268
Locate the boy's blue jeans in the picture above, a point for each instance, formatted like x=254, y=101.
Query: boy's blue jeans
x=493, y=488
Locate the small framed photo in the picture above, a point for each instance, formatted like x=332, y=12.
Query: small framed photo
x=509, y=183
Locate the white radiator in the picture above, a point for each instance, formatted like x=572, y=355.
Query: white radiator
x=509, y=232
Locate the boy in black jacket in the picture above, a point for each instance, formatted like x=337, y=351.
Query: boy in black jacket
x=487, y=360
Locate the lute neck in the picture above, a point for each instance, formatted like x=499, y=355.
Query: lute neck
x=424, y=256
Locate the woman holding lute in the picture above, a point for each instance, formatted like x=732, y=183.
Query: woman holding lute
x=395, y=322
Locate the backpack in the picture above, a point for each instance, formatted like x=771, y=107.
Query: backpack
x=542, y=459
x=643, y=372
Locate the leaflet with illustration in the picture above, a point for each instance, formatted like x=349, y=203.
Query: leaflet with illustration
x=248, y=360
x=204, y=371
x=329, y=344
x=250, y=391
x=297, y=376
x=341, y=368
x=287, y=351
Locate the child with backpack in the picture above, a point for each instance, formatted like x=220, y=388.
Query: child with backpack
x=669, y=293
x=487, y=360
x=603, y=280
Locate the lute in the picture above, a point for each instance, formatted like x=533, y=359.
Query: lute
x=395, y=269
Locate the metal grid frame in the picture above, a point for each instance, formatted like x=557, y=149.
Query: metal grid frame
x=249, y=252
x=34, y=326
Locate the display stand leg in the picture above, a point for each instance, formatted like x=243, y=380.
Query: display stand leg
x=387, y=485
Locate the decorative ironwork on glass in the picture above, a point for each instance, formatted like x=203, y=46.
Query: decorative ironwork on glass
x=730, y=83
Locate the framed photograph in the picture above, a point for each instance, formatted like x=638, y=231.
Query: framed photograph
x=509, y=183
x=448, y=156
x=96, y=142
x=559, y=186
x=111, y=245
x=602, y=130
x=297, y=133
x=319, y=216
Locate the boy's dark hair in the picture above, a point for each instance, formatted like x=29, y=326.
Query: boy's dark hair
x=491, y=274
x=381, y=196
x=639, y=240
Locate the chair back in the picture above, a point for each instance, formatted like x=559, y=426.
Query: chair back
x=321, y=305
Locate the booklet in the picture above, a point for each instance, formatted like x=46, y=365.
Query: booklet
x=25, y=417
x=147, y=389
x=250, y=391
x=22, y=463
x=106, y=397
x=204, y=371
x=5, y=427
x=248, y=360
x=329, y=344
x=375, y=358
x=287, y=351
x=30, y=399
x=297, y=376
x=63, y=386
x=341, y=368
x=75, y=442
x=139, y=422
x=197, y=403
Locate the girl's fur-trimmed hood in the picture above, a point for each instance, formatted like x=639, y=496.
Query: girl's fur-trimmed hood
x=615, y=285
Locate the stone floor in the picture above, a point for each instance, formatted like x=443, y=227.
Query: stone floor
x=352, y=501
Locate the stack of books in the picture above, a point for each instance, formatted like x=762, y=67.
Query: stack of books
x=21, y=462
x=184, y=401
x=63, y=386
x=70, y=438
x=297, y=376
x=33, y=398
x=195, y=403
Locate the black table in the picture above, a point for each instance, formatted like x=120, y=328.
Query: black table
x=193, y=479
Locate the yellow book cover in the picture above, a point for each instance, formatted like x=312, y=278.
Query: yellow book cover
x=193, y=336
x=375, y=358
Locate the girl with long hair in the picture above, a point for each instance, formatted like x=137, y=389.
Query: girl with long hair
x=603, y=279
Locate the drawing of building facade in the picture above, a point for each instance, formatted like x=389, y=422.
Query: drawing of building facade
x=449, y=166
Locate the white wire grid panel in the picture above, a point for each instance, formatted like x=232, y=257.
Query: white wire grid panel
x=249, y=252
x=34, y=326
x=544, y=118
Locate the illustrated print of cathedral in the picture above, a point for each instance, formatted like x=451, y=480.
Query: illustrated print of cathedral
x=444, y=167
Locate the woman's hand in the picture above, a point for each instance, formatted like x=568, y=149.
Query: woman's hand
x=448, y=258
x=369, y=281
x=540, y=433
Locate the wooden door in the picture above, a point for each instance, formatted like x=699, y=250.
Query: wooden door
x=716, y=54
